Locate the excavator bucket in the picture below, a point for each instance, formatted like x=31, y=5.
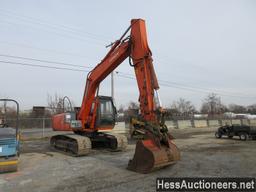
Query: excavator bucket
x=149, y=157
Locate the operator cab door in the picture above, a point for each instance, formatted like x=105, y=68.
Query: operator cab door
x=106, y=112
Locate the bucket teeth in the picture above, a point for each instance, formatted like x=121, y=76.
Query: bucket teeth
x=149, y=157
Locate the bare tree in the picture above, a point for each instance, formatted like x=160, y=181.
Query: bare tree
x=133, y=105
x=212, y=105
x=237, y=108
x=251, y=109
x=55, y=103
x=131, y=111
x=59, y=104
x=183, y=106
x=9, y=111
x=121, y=109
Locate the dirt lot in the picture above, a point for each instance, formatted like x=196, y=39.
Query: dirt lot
x=41, y=169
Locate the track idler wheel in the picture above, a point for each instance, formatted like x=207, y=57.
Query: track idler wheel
x=149, y=157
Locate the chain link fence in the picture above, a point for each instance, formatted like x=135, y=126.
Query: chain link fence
x=42, y=127
x=32, y=128
x=28, y=123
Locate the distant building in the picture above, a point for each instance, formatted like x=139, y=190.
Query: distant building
x=38, y=111
x=239, y=115
x=229, y=115
x=198, y=116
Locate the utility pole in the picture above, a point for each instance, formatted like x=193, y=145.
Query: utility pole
x=5, y=111
x=112, y=85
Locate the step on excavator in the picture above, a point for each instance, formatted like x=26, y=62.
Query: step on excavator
x=97, y=113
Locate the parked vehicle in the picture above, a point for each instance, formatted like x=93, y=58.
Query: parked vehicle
x=244, y=132
x=9, y=143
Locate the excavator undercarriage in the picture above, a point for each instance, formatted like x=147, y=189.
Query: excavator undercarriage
x=80, y=145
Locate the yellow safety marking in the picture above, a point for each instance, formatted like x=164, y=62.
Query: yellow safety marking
x=8, y=163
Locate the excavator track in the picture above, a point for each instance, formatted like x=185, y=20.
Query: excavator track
x=121, y=142
x=80, y=145
x=72, y=144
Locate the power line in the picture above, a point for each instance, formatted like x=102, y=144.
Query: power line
x=121, y=74
x=56, y=26
x=60, y=27
x=181, y=85
x=164, y=58
x=41, y=22
x=185, y=87
x=42, y=66
x=46, y=50
x=61, y=34
x=73, y=65
x=126, y=75
x=75, y=29
x=44, y=61
x=79, y=34
x=72, y=30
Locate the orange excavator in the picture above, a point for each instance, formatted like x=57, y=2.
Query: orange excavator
x=97, y=113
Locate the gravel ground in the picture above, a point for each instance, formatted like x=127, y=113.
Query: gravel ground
x=42, y=169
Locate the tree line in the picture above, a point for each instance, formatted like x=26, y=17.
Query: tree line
x=211, y=105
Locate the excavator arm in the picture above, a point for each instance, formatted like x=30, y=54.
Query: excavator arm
x=136, y=48
x=115, y=57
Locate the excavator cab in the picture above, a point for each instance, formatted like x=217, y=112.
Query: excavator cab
x=105, y=118
x=106, y=112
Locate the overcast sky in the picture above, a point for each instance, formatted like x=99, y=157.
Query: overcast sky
x=198, y=47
